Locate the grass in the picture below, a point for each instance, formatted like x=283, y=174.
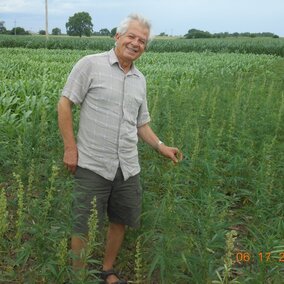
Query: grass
x=225, y=111
x=244, y=45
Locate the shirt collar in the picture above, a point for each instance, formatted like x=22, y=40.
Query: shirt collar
x=113, y=59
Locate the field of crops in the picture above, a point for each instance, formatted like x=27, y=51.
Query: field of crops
x=270, y=46
x=217, y=217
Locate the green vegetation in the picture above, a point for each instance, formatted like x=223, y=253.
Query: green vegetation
x=56, y=31
x=80, y=24
x=194, y=33
x=233, y=45
x=205, y=220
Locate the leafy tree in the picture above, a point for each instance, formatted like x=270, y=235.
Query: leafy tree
x=267, y=34
x=56, y=31
x=79, y=24
x=42, y=32
x=104, y=32
x=246, y=34
x=163, y=34
x=113, y=32
x=194, y=33
x=19, y=31
x=96, y=33
x=3, y=30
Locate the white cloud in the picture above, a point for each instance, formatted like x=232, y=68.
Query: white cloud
x=21, y=6
x=174, y=17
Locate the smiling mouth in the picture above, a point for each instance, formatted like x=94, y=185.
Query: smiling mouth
x=132, y=50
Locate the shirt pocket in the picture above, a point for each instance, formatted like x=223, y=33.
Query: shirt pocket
x=131, y=109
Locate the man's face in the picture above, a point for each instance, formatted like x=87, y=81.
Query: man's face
x=130, y=45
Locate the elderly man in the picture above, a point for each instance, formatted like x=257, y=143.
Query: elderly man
x=104, y=159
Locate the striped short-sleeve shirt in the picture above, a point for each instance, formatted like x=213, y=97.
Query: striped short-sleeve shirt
x=113, y=105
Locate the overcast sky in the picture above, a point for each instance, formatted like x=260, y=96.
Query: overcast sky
x=174, y=17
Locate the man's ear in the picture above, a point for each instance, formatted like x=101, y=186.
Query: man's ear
x=117, y=36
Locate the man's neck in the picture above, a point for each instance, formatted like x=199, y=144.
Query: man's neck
x=125, y=65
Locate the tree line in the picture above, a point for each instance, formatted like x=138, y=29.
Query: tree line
x=194, y=33
x=80, y=24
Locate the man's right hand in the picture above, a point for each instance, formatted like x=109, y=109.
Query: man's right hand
x=70, y=159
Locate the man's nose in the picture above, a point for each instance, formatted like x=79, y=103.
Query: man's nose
x=135, y=41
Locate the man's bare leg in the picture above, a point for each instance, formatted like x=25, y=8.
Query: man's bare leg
x=115, y=236
x=77, y=245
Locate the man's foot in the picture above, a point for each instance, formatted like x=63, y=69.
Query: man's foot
x=110, y=277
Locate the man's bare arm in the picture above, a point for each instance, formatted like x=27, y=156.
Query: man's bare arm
x=146, y=133
x=65, y=123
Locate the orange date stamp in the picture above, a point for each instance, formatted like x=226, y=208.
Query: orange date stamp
x=246, y=257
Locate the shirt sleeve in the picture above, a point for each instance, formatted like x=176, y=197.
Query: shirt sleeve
x=78, y=81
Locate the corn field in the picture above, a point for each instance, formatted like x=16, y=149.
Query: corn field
x=216, y=217
x=272, y=46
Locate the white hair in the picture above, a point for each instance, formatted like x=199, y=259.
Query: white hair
x=124, y=25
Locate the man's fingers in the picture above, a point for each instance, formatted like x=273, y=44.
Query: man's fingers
x=72, y=169
x=177, y=155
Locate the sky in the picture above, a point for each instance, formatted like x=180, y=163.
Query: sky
x=173, y=17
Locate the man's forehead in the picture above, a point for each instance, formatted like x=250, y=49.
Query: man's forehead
x=138, y=28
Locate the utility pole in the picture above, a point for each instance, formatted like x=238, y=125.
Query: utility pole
x=15, y=23
x=46, y=20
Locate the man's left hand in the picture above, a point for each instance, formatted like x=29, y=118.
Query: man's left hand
x=170, y=152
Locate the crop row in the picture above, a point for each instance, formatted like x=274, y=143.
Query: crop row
x=225, y=111
x=235, y=45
